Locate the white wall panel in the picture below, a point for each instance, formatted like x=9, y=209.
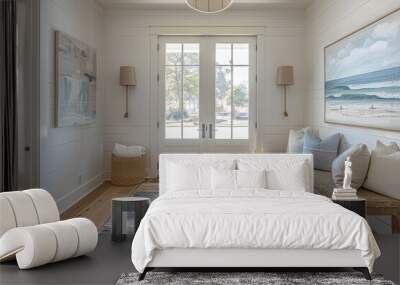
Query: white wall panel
x=328, y=21
x=71, y=158
x=128, y=42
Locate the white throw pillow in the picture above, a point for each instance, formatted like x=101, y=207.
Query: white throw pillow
x=296, y=140
x=384, y=171
x=251, y=179
x=286, y=173
x=223, y=179
x=186, y=174
x=182, y=177
x=293, y=180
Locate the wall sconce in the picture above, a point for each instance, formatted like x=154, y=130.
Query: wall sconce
x=284, y=78
x=127, y=77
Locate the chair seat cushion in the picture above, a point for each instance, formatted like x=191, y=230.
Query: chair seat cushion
x=40, y=244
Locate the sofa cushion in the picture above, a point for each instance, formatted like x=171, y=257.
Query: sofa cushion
x=296, y=140
x=359, y=156
x=383, y=175
x=324, y=151
x=323, y=183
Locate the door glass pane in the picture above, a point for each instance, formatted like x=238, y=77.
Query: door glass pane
x=223, y=94
x=173, y=91
x=191, y=54
x=182, y=77
x=232, y=91
x=241, y=54
x=173, y=54
x=191, y=102
x=223, y=54
x=241, y=102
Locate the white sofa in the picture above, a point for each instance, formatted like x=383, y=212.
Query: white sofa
x=31, y=231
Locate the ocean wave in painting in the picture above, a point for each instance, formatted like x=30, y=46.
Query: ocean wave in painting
x=356, y=99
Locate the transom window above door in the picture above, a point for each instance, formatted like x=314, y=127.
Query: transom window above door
x=206, y=88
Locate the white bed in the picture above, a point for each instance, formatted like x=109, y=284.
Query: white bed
x=193, y=225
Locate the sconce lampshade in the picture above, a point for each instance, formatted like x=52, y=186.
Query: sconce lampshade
x=127, y=76
x=285, y=75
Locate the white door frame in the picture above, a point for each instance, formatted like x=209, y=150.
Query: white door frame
x=156, y=31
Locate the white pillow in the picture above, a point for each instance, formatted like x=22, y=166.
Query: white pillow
x=223, y=179
x=384, y=170
x=251, y=179
x=296, y=140
x=181, y=177
x=188, y=175
x=293, y=180
x=283, y=173
x=128, y=151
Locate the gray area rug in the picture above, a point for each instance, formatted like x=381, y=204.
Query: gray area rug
x=243, y=278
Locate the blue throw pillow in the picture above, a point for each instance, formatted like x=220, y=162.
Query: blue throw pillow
x=324, y=151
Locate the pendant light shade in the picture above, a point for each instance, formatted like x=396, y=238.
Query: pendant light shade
x=209, y=6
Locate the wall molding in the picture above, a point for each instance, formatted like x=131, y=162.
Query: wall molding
x=79, y=193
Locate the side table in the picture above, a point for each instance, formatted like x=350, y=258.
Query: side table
x=357, y=205
x=120, y=208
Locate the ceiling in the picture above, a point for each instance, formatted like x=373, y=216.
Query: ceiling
x=180, y=4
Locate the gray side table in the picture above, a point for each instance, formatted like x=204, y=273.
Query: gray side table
x=121, y=207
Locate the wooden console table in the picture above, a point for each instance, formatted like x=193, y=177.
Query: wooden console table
x=378, y=204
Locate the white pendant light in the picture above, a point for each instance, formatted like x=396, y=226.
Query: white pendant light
x=209, y=6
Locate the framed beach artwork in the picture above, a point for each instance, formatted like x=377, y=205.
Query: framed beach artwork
x=75, y=102
x=362, y=76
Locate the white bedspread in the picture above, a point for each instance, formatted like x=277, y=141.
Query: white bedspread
x=250, y=218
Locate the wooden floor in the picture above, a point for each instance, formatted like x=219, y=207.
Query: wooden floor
x=96, y=206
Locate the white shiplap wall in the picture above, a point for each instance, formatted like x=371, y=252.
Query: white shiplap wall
x=71, y=157
x=327, y=21
x=128, y=42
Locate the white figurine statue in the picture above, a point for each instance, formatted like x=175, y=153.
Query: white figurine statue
x=347, y=174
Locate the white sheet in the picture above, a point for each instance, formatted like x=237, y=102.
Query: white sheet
x=251, y=218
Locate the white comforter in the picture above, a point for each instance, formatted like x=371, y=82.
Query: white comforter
x=250, y=218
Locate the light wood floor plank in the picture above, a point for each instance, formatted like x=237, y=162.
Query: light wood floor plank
x=96, y=206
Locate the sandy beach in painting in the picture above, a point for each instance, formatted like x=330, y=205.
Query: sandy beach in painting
x=371, y=99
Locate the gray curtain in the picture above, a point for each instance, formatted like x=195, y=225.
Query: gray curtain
x=8, y=96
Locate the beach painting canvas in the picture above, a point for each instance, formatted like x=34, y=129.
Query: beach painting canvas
x=75, y=102
x=362, y=76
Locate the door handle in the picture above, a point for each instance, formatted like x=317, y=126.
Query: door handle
x=203, y=130
x=211, y=131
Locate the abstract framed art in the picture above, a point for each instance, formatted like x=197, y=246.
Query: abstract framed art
x=362, y=76
x=75, y=71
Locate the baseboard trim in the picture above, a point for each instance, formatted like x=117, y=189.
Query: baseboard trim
x=148, y=172
x=67, y=201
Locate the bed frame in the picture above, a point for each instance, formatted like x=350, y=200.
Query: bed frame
x=244, y=259
x=260, y=259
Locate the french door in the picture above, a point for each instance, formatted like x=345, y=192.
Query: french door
x=207, y=93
